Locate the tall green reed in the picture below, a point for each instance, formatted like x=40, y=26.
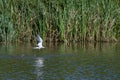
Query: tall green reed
x=63, y=20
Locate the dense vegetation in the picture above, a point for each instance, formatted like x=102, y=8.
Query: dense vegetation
x=60, y=20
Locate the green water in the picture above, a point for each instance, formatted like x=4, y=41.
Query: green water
x=60, y=62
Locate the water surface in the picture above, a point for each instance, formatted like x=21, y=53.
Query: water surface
x=60, y=62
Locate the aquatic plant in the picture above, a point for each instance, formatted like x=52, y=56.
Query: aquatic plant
x=62, y=20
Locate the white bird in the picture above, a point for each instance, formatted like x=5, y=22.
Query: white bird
x=39, y=42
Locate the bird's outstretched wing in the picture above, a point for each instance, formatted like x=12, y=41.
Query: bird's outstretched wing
x=39, y=39
x=39, y=42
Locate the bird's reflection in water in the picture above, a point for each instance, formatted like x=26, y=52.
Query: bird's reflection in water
x=39, y=63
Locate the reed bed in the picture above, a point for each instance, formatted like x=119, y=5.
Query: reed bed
x=60, y=20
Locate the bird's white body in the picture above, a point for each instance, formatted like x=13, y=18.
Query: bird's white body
x=39, y=40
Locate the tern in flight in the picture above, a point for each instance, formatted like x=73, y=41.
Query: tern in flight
x=39, y=42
